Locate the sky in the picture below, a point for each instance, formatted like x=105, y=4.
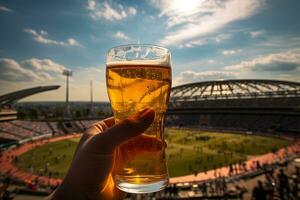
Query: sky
x=208, y=40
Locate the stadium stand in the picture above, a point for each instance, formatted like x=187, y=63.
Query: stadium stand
x=18, y=129
x=7, y=100
x=54, y=127
x=245, y=105
x=37, y=127
x=7, y=114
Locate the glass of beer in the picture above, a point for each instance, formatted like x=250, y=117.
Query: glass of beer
x=139, y=77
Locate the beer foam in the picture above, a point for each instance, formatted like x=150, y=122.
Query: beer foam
x=162, y=63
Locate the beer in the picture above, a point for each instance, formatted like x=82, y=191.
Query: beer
x=140, y=164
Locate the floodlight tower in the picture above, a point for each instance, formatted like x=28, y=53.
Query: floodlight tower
x=67, y=73
x=91, y=94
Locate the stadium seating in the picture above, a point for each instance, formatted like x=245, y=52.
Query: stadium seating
x=239, y=122
x=18, y=129
x=37, y=127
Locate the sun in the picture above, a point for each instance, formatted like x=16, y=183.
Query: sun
x=185, y=6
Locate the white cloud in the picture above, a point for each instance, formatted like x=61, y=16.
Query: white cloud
x=6, y=9
x=91, y=5
x=230, y=52
x=286, y=61
x=278, y=42
x=42, y=37
x=29, y=70
x=194, y=43
x=13, y=71
x=73, y=42
x=192, y=76
x=43, y=65
x=191, y=20
x=107, y=11
x=16, y=75
x=257, y=33
x=132, y=11
x=205, y=40
x=121, y=35
x=221, y=37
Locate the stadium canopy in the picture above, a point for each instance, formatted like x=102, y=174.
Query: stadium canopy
x=235, y=89
x=10, y=98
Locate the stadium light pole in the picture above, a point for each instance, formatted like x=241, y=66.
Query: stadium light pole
x=91, y=94
x=67, y=73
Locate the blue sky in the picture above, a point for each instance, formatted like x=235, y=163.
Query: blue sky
x=209, y=39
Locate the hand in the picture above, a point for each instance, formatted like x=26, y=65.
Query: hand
x=89, y=176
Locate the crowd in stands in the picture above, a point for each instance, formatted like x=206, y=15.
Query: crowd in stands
x=38, y=127
x=237, y=103
x=242, y=122
x=17, y=130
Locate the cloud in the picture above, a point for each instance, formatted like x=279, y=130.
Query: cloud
x=194, y=43
x=192, y=19
x=43, y=38
x=132, y=11
x=257, y=33
x=16, y=75
x=221, y=37
x=278, y=42
x=121, y=35
x=29, y=70
x=110, y=12
x=43, y=65
x=205, y=40
x=230, y=52
x=287, y=61
x=192, y=76
x=13, y=71
x=3, y=8
x=73, y=42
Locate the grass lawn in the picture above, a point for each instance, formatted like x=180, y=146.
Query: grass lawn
x=188, y=150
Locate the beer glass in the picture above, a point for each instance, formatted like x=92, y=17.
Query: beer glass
x=138, y=77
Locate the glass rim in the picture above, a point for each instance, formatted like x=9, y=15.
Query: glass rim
x=136, y=44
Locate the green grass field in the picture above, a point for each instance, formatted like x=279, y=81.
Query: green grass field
x=188, y=151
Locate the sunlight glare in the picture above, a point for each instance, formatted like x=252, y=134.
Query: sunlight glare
x=185, y=6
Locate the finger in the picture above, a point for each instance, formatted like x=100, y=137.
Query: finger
x=126, y=129
x=109, y=122
x=98, y=127
x=94, y=129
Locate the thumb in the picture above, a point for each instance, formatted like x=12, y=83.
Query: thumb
x=134, y=125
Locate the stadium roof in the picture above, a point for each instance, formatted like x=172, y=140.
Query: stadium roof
x=235, y=89
x=10, y=98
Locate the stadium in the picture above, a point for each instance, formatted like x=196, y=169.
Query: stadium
x=222, y=137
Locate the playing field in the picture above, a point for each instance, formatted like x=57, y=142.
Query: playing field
x=188, y=151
